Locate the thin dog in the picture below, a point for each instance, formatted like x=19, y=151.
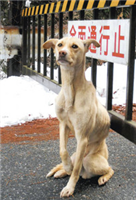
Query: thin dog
x=79, y=111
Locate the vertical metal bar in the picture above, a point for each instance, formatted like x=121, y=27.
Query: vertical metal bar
x=33, y=44
x=109, y=86
x=94, y=71
x=112, y=15
x=23, y=4
x=28, y=38
x=82, y=14
x=24, y=54
x=60, y=36
x=45, y=51
x=52, y=54
x=94, y=61
x=70, y=15
x=130, y=76
x=60, y=25
x=39, y=43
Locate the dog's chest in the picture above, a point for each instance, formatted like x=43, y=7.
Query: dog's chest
x=71, y=110
x=65, y=113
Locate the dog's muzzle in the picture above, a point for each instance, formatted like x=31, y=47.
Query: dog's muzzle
x=62, y=57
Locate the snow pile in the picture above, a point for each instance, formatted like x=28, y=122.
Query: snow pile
x=23, y=99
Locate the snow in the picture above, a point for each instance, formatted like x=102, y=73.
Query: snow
x=119, y=83
x=23, y=99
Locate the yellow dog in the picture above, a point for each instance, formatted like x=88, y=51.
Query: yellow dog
x=79, y=111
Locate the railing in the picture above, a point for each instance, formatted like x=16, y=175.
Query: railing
x=40, y=14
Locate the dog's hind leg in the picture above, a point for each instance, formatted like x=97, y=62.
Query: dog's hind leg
x=57, y=171
x=97, y=165
x=103, y=179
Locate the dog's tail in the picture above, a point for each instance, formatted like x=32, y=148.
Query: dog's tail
x=57, y=171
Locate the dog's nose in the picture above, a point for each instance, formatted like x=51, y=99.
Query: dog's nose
x=62, y=53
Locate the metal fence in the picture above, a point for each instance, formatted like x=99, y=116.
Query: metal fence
x=32, y=35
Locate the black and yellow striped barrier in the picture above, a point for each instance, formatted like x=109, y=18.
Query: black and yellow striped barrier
x=66, y=5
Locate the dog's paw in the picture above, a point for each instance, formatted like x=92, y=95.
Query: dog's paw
x=49, y=174
x=66, y=192
x=60, y=174
x=102, y=180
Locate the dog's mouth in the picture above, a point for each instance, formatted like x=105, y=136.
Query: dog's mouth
x=62, y=61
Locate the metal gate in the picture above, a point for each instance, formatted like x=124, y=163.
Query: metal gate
x=33, y=32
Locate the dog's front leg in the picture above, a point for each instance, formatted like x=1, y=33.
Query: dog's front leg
x=70, y=187
x=64, y=132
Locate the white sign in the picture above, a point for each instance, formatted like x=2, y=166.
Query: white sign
x=113, y=36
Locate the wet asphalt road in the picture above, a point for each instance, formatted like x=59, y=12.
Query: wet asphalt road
x=24, y=168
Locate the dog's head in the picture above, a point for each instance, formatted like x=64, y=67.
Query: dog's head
x=70, y=51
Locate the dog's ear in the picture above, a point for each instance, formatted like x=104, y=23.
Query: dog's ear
x=50, y=44
x=88, y=42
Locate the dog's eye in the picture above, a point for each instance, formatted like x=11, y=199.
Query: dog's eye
x=60, y=45
x=74, y=46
